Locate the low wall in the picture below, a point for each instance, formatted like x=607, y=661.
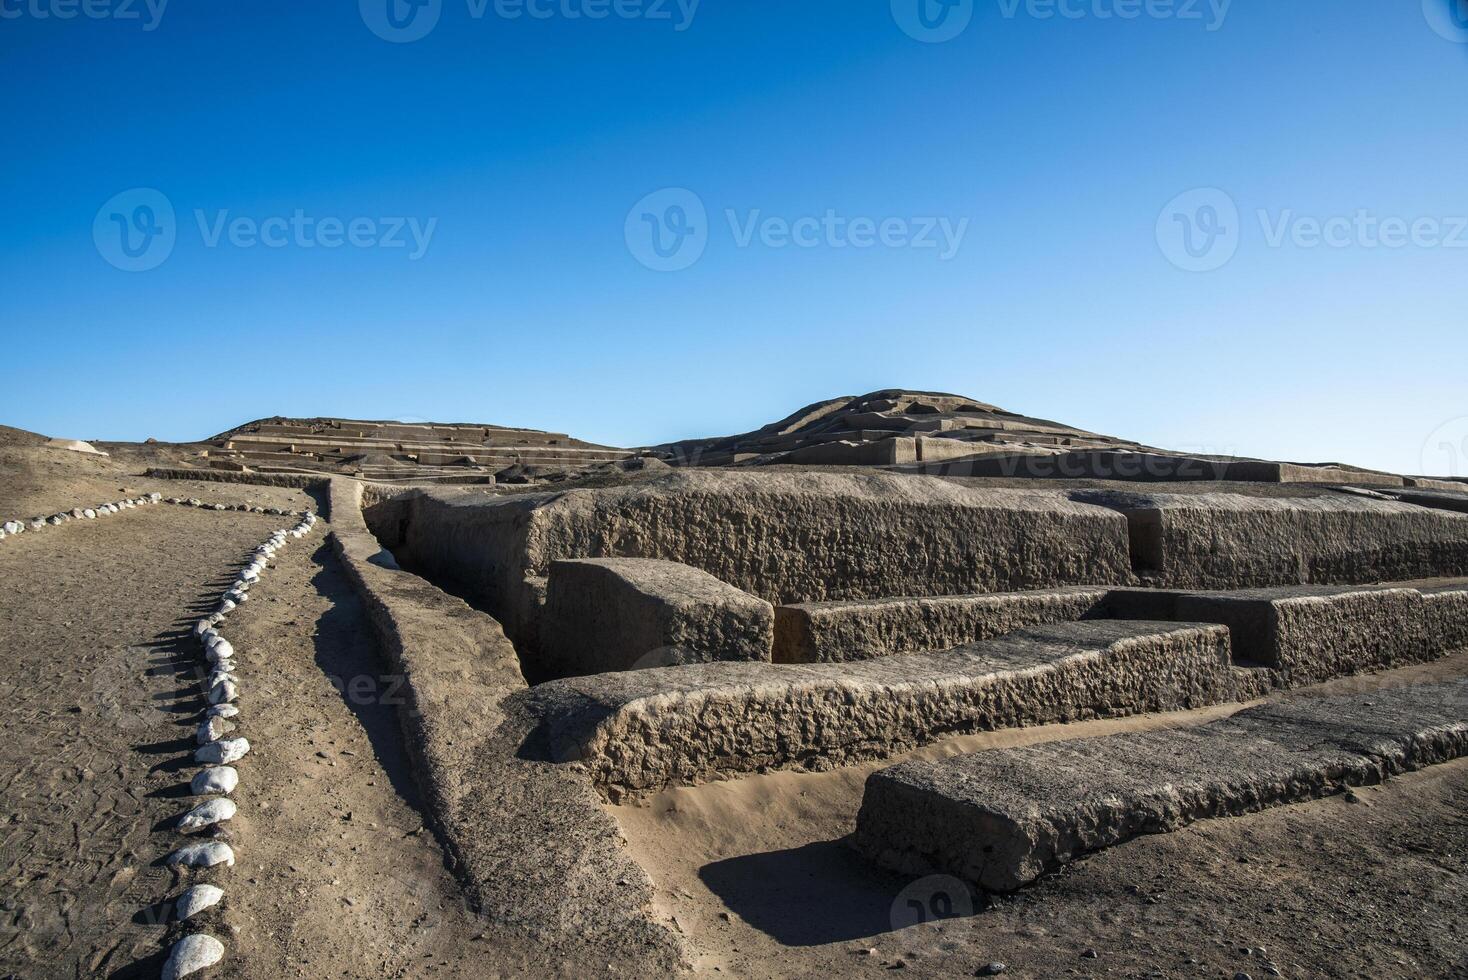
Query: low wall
x=832, y=632
x=1233, y=541
x=1002, y=818
x=537, y=853
x=295, y=481
x=1305, y=634
x=641, y=730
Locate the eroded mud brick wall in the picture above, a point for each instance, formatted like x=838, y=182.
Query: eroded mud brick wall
x=785, y=537
x=1232, y=541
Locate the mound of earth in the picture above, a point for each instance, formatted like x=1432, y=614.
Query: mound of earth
x=20, y=437
x=842, y=430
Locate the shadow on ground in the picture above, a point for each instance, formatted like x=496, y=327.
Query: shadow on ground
x=812, y=895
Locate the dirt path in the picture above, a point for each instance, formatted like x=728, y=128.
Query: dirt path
x=99, y=693
x=336, y=875
x=757, y=872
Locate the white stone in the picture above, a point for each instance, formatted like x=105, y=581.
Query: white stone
x=223, y=692
x=208, y=814
x=227, y=607
x=211, y=730
x=89, y=514
x=223, y=711
x=216, y=779
x=192, y=954
x=220, y=649
x=195, y=900
x=223, y=752
x=202, y=854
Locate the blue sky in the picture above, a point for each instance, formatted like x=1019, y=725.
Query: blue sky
x=1074, y=156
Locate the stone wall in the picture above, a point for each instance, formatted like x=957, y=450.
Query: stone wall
x=642, y=730
x=830, y=632
x=1234, y=541
x=605, y=614
x=1002, y=818
x=784, y=537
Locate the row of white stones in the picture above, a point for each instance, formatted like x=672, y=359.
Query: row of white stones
x=217, y=753
x=12, y=528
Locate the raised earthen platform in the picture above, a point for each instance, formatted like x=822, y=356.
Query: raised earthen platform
x=1001, y=819
x=641, y=730
x=833, y=632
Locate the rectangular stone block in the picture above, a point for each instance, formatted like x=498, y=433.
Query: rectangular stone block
x=1234, y=541
x=1310, y=633
x=832, y=632
x=609, y=614
x=645, y=729
x=1002, y=818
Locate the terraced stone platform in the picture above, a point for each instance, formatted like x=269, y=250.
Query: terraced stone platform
x=1002, y=818
x=641, y=730
x=784, y=537
x=834, y=632
x=1312, y=633
x=1235, y=541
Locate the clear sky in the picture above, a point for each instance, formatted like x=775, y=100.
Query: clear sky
x=1199, y=224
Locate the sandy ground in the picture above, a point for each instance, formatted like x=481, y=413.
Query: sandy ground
x=336, y=875
x=757, y=873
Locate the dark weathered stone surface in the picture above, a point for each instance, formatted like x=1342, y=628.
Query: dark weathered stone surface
x=784, y=537
x=1002, y=818
x=1311, y=633
x=605, y=614
x=831, y=632
x=645, y=729
x=1232, y=541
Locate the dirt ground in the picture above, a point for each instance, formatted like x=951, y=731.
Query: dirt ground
x=336, y=875
x=1375, y=884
